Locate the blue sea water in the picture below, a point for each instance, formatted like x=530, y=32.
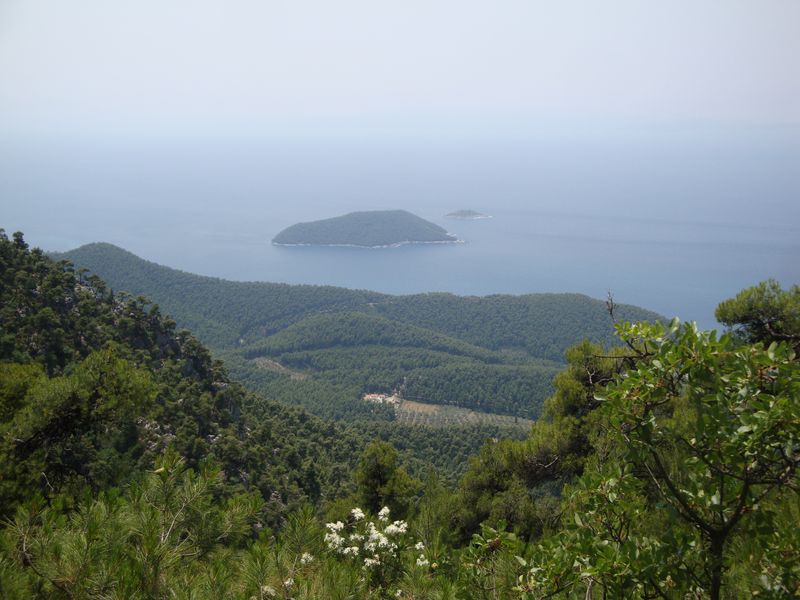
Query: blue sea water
x=673, y=223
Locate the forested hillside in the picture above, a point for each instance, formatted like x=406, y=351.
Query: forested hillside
x=95, y=385
x=222, y=312
x=132, y=466
x=65, y=340
x=495, y=354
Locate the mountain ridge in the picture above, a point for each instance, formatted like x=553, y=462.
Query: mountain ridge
x=344, y=343
x=124, y=270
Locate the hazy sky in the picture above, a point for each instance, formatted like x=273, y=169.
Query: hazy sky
x=161, y=65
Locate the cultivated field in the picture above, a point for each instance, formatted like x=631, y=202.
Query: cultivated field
x=410, y=412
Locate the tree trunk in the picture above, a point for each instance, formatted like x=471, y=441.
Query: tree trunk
x=717, y=547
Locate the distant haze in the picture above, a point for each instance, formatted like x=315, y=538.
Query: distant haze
x=673, y=224
x=650, y=148
x=448, y=65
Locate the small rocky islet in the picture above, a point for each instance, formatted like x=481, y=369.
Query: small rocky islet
x=467, y=215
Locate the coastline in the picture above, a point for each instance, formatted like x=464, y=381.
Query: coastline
x=395, y=245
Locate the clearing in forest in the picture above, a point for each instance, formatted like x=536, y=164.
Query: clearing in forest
x=411, y=412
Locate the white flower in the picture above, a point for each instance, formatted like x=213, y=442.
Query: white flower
x=396, y=528
x=350, y=550
x=419, y=546
x=371, y=562
x=288, y=583
x=268, y=590
x=338, y=526
x=383, y=515
x=422, y=561
x=356, y=537
x=306, y=558
x=334, y=540
x=357, y=514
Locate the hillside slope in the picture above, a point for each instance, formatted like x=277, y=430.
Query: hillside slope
x=95, y=385
x=221, y=312
x=348, y=342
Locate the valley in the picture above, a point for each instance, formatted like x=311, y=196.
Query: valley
x=323, y=347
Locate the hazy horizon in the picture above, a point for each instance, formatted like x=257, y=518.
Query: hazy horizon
x=651, y=149
x=674, y=224
x=460, y=67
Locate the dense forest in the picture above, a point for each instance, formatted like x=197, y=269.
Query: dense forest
x=664, y=466
x=323, y=347
x=371, y=229
x=224, y=312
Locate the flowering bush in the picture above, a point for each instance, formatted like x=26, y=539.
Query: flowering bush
x=376, y=547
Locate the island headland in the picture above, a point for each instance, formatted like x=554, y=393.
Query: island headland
x=366, y=229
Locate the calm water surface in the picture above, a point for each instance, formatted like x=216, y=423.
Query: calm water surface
x=674, y=224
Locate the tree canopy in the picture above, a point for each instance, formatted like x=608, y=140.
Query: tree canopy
x=133, y=466
x=764, y=313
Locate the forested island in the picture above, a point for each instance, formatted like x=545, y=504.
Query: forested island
x=467, y=215
x=663, y=464
x=367, y=229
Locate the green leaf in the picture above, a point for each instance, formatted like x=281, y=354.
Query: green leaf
x=771, y=350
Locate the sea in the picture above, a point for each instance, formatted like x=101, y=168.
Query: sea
x=671, y=220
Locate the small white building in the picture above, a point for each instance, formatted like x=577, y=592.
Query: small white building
x=381, y=399
x=376, y=398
